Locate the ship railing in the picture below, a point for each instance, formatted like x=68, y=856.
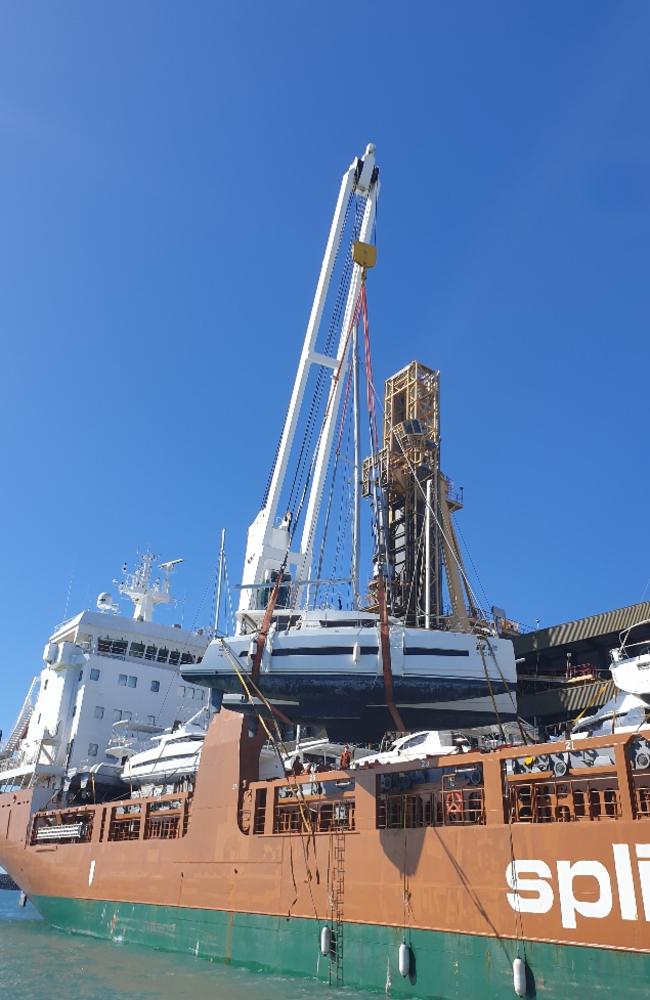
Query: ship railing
x=63, y=826
x=555, y=800
x=641, y=801
x=313, y=816
x=13, y=761
x=431, y=807
x=165, y=818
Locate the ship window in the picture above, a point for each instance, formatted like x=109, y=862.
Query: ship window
x=416, y=741
x=181, y=691
x=92, y=749
x=121, y=680
x=39, y=717
x=45, y=684
x=137, y=650
x=94, y=674
x=117, y=714
x=127, y=715
x=187, y=658
x=163, y=653
x=111, y=647
x=151, y=719
x=150, y=653
x=74, y=710
x=155, y=686
x=174, y=657
x=99, y=712
x=133, y=681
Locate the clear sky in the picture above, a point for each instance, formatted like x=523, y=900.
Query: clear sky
x=167, y=177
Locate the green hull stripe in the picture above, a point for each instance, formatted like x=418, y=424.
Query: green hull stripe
x=445, y=965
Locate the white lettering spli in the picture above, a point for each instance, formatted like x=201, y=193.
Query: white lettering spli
x=585, y=888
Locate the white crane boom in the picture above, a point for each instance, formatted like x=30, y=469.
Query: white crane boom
x=267, y=543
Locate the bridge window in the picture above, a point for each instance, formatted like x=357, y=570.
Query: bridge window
x=163, y=653
x=137, y=650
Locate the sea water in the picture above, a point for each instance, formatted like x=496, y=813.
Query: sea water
x=38, y=962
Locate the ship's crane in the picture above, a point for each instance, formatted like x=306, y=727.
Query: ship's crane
x=270, y=549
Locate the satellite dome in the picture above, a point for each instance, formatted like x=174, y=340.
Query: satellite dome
x=105, y=601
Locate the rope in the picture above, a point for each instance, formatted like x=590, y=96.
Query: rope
x=279, y=747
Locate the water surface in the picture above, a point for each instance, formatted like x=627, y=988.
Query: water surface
x=38, y=962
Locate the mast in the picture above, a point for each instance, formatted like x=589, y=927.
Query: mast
x=217, y=609
x=356, y=514
x=336, y=386
x=427, y=559
x=268, y=543
x=138, y=587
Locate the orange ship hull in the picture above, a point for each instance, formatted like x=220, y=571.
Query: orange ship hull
x=466, y=876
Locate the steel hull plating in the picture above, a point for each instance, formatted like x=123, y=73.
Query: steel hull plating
x=248, y=873
x=446, y=965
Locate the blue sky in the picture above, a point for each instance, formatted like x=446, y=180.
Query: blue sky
x=167, y=177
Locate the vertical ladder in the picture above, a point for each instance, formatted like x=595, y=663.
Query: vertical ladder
x=337, y=893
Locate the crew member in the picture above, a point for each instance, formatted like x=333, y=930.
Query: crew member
x=346, y=758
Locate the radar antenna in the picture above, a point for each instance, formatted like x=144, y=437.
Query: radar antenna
x=138, y=588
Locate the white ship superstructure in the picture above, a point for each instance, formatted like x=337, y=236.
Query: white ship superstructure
x=102, y=670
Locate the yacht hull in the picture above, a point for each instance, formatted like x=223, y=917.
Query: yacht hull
x=334, y=677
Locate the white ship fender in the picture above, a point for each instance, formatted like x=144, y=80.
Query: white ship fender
x=404, y=959
x=325, y=941
x=519, y=976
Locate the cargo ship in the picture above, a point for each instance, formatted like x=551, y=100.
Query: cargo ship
x=474, y=873
x=445, y=877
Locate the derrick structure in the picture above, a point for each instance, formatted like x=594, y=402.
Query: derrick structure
x=421, y=545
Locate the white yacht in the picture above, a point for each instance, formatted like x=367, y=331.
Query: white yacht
x=170, y=758
x=106, y=678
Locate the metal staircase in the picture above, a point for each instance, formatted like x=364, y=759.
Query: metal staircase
x=20, y=726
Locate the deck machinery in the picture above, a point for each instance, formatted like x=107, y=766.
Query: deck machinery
x=422, y=547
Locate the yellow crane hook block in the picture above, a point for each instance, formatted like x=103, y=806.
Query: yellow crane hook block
x=364, y=254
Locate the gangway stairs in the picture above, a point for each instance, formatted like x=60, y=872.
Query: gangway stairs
x=20, y=726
